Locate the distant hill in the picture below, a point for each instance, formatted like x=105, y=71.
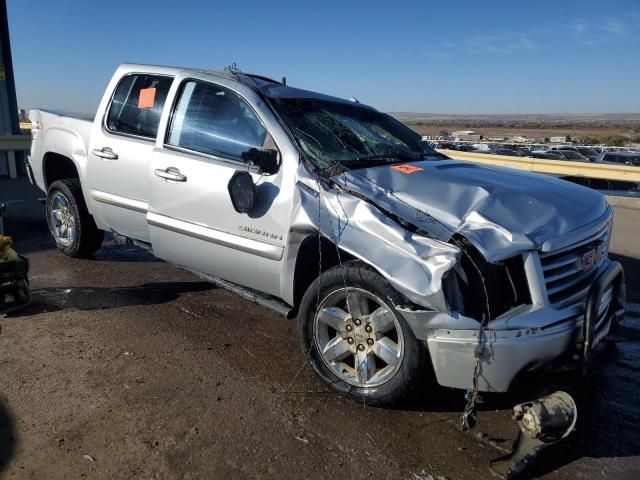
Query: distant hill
x=542, y=119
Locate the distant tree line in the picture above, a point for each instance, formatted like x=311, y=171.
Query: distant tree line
x=609, y=140
x=491, y=123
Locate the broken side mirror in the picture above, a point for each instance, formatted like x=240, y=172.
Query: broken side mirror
x=242, y=191
x=266, y=159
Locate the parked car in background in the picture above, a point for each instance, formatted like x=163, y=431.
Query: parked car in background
x=588, y=152
x=620, y=158
x=508, y=152
x=447, y=145
x=563, y=147
x=547, y=155
x=465, y=148
x=572, y=155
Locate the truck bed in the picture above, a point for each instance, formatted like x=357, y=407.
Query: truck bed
x=58, y=133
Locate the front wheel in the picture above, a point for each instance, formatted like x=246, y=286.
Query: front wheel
x=356, y=340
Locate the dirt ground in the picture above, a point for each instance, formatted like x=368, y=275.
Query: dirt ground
x=126, y=367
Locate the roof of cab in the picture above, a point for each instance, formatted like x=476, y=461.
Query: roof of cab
x=270, y=88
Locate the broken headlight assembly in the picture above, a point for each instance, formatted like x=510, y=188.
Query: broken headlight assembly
x=477, y=288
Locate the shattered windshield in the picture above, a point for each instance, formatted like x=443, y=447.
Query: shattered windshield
x=332, y=133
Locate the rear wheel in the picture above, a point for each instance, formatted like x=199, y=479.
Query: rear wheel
x=356, y=340
x=71, y=226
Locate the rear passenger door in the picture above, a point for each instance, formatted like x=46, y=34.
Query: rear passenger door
x=191, y=217
x=120, y=153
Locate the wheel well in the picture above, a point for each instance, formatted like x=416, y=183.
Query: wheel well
x=58, y=167
x=308, y=266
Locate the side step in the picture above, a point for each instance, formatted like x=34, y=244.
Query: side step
x=131, y=242
x=275, y=305
x=264, y=300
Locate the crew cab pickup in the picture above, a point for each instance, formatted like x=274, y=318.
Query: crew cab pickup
x=392, y=256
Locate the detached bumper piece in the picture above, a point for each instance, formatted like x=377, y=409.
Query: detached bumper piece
x=14, y=285
x=542, y=423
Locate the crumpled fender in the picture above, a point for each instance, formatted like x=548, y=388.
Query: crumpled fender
x=414, y=265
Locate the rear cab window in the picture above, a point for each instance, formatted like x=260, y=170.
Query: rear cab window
x=214, y=120
x=137, y=105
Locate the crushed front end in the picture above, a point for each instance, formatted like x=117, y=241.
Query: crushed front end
x=563, y=298
x=533, y=253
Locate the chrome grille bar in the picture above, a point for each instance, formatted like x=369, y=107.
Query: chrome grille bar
x=566, y=277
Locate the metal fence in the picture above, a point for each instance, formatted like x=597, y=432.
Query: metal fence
x=601, y=171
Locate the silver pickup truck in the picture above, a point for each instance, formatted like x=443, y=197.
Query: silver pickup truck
x=394, y=258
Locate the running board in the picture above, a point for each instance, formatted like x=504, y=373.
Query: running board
x=262, y=299
x=131, y=242
x=267, y=301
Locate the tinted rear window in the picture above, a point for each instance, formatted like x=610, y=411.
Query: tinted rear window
x=137, y=105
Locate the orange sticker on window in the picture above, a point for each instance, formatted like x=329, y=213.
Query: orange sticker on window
x=147, y=98
x=406, y=168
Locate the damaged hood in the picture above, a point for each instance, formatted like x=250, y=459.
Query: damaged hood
x=501, y=211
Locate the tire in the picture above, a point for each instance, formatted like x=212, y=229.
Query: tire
x=71, y=226
x=386, y=384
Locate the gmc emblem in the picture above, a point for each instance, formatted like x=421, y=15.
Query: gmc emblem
x=592, y=257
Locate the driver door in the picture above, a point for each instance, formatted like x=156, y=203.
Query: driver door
x=191, y=218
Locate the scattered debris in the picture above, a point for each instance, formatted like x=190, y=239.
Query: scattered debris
x=424, y=475
x=542, y=422
x=247, y=350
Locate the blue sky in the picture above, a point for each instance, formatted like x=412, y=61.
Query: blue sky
x=411, y=56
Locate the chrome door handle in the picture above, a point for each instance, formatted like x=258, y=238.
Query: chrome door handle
x=105, y=153
x=172, y=174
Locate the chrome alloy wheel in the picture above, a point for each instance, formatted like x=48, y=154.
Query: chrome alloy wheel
x=358, y=337
x=62, y=221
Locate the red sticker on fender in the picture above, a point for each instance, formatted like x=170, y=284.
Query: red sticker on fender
x=406, y=168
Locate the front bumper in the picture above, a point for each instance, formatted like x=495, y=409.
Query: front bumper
x=508, y=351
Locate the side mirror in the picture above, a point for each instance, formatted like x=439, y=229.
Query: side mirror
x=242, y=191
x=266, y=159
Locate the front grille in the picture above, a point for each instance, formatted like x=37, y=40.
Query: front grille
x=566, y=277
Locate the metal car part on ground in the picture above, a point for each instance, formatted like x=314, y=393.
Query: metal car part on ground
x=541, y=423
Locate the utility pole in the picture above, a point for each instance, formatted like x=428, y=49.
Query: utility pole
x=9, y=125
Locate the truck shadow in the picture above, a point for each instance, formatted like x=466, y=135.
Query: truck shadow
x=7, y=436
x=80, y=298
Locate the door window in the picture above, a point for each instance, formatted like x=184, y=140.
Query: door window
x=216, y=121
x=137, y=105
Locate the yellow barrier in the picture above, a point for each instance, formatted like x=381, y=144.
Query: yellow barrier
x=563, y=168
